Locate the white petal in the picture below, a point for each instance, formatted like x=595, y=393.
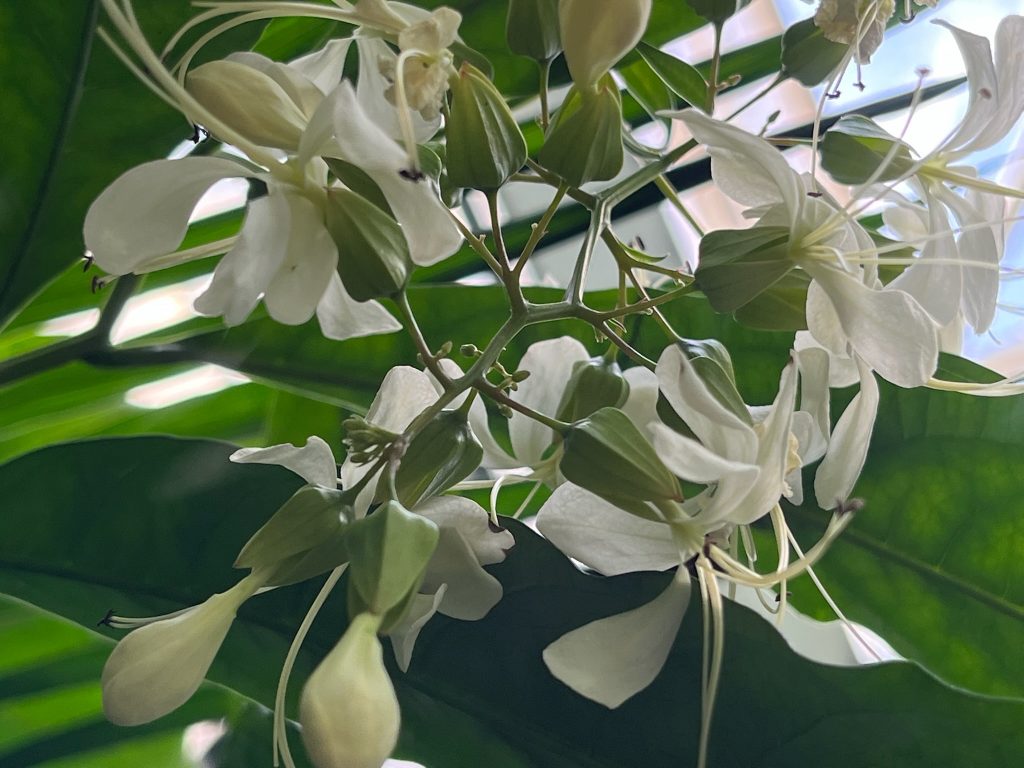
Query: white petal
x=403, y=635
x=981, y=78
x=977, y=244
x=887, y=328
x=642, y=403
x=841, y=369
x=935, y=280
x=745, y=167
x=144, y=213
x=156, y=668
x=342, y=317
x=428, y=227
x=323, y=68
x=612, y=659
x=814, y=401
x=472, y=521
x=692, y=461
x=299, y=88
x=550, y=363
x=371, y=88
x=717, y=427
x=839, y=471
x=471, y=591
x=313, y=462
x=244, y=273
x=309, y=266
x=602, y=536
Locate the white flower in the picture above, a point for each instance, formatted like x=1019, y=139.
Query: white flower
x=597, y=33
x=846, y=305
x=349, y=712
x=157, y=667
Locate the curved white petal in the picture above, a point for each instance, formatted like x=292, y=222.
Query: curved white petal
x=404, y=634
x=692, y=461
x=977, y=244
x=308, y=267
x=372, y=87
x=612, y=659
x=488, y=544
x=718, y=428
x=550, y=363
x=887, y=328
x=144, y=212
x=324, y=67
x=342, y=317
x=313, y=462
x=841, y=369
x=838, y=472
x=602, y=536
x=641, y=405
x=471, y=591
x=305, y=94
x=244, y=273
x=981, y=78
x=746, y=167
x=428, y=227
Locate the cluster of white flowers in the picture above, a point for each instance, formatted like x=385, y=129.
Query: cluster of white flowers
x=609, y=447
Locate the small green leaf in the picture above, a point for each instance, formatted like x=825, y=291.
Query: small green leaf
x=780, y=308
x=855, y=148
x=644, y=85
x=683, y=79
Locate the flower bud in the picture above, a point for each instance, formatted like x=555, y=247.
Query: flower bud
x=597, y=33
x=349, y=712
x=389, y=551
x=532, y=28
x=594, y=384
x=249, y=102
x=485, y=145
x=607, y=455
x=585, y=140
x=444, y=452
x=157, y=667
x=373, y=255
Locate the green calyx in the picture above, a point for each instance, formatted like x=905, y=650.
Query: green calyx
x=484, y=146
x=373, y=255
x=607, y=455
x=532, y=29
x=444, y=452
x=585, y=140
x=596, y=383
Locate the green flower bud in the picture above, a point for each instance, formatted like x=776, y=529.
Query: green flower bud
x=607, y=455
x=532, y=28
x=373, y=255
x=249, y=102
x=389, y=551
x=594, y=384
x=349, y=712
x=597, y=33
x=304, y=538
x=444, y=452
x=711, y=361
x=485, y=145
x=585, y=140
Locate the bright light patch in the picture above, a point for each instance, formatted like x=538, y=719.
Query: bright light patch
x=74, y=324
x=204, y=380
x=158, y=309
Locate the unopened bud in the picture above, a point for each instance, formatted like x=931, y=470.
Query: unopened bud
x=585, y=140
x=607, y=455
x=469, y=350
x=594, y=384
x=597, y=33
x=373, y=255
x=532, y=28
x=349, y=712
x=249, y=102
x=485, y=145
x=444, y=452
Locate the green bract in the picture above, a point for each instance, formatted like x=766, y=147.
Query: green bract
x=585, y=140
x=444, y=452
x=532, y=28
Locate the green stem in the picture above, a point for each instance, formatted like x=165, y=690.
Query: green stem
x=540, y=229
x=644, y=176
x=429, y=359
x=672, y=195
x=44, y=359
x=716, y=63
x=544, y=72
x=477, y=244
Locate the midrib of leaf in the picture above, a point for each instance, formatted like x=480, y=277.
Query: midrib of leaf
x=929, y=570
x=74, y=95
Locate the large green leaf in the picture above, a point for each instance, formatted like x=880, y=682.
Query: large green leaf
x=137, y=515
x=74, y=118
x=933, y=561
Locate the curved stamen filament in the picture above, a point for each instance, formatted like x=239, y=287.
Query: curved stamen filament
x=404, y=111
x=714, y=610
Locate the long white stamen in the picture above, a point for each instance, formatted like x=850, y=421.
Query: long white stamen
x=186, y=255
x=527, y=500
x=280, y=744
x=404, y=111
x=781, y=538
x=128, y=622
x=709, y=584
